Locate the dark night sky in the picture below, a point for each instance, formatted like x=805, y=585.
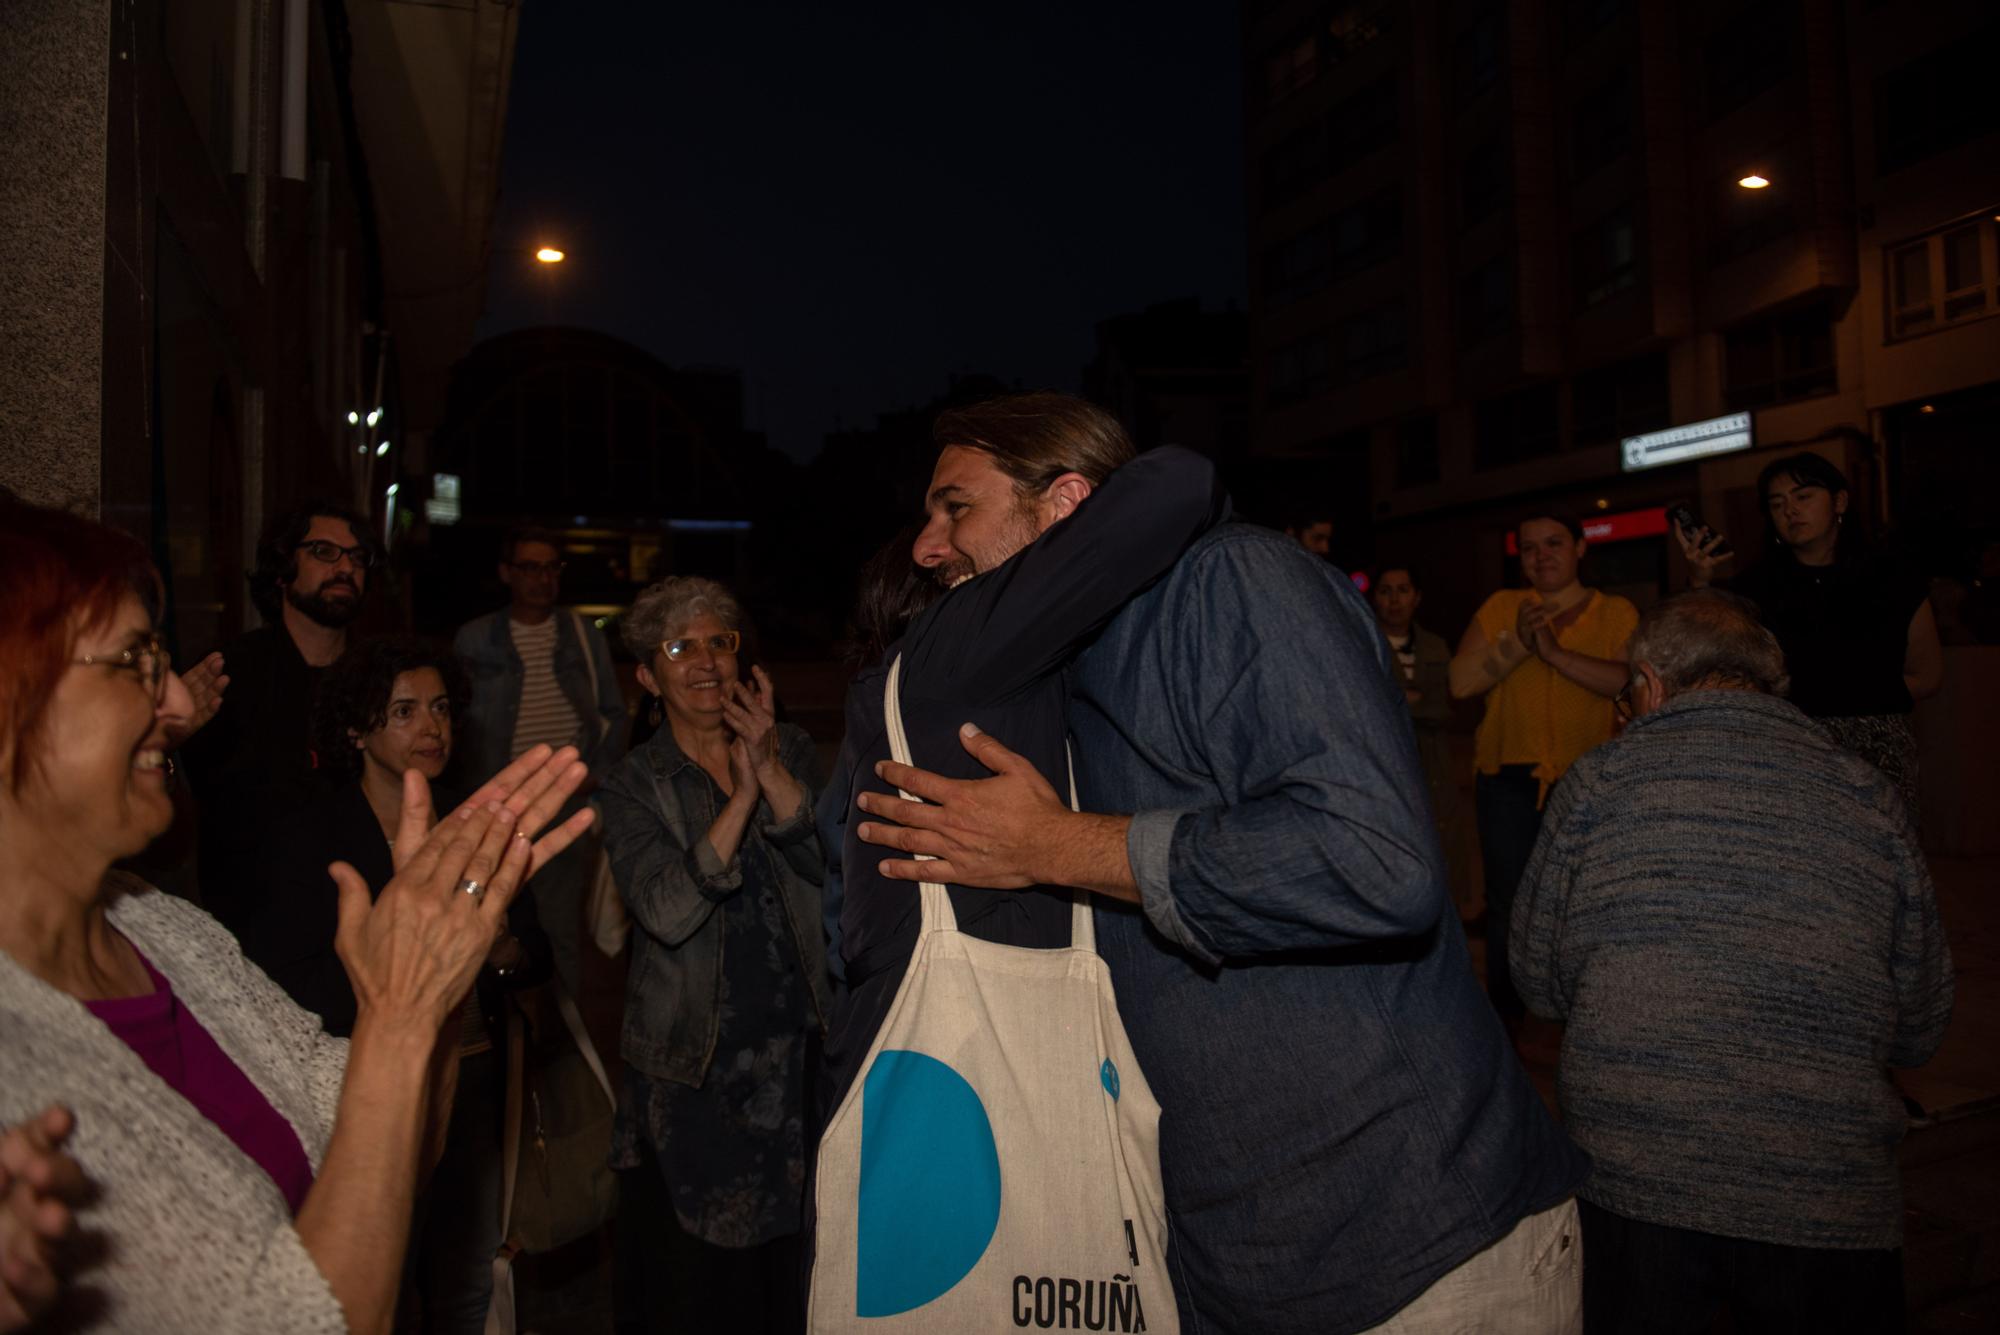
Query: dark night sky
x=849, y=206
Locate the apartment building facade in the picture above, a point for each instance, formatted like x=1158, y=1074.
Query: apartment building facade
x=1493, y=239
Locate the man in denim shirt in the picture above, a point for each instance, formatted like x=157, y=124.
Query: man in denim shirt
x=1347, y=1140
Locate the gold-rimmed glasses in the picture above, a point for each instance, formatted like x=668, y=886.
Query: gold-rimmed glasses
x=147, y=658
x=723, y=642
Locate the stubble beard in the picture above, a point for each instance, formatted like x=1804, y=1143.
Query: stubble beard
x=1022, y=529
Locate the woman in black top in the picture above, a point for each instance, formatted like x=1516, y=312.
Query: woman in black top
x=385, y=707
x=1859, y=635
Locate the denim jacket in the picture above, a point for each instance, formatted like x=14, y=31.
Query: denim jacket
x=486, y=647
x=657, y=807
x=1343, y=1118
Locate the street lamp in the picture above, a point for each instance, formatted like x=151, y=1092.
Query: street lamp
x=1753, y=182
x=549, y=255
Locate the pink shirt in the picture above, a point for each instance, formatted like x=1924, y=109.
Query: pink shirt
x=173, y=1043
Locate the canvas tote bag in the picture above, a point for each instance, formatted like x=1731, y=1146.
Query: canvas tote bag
x=996, y=1165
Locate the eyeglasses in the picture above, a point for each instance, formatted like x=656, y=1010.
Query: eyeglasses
x=537, y=567
x=148, y=659
x=329, y=553
x=1621, y=703
x=724, y=643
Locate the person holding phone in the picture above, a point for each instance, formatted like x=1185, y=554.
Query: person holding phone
x=1857, y=627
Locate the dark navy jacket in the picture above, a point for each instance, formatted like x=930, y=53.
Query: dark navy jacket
x=1343, y=1120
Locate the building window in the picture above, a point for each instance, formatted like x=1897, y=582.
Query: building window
x=1291, y=68
x=1482, y=181
x=1298, y=267
x=1417, y=452
x=1755, y=48
x=1945, y=278
x=1373, y=343
x=1604, y=124
x=1299, y=369
x=1606, y=258
x=1486, y=300
x=1583, y=17
x=1778, y=360
x=1362, y=125
x=1515, y=427
x=1476, y=54
x=1367, y=233
x=1617, y=401
x=1295, y=164
x=1352, y=28
x=1936, y=102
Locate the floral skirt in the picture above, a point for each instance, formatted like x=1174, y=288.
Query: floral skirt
x=1889, y=743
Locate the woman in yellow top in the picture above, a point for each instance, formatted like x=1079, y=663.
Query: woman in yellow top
x=1550, y=660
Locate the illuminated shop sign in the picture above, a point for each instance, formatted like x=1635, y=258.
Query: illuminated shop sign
x=1718, y=435
x=442, y=507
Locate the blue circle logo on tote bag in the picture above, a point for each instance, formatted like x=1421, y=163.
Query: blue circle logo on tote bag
x=1107, y=1075
x=930, y=1183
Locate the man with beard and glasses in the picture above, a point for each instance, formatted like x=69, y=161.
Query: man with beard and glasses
x=253, y=763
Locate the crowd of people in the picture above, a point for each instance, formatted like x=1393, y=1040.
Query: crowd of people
x=1112, y=980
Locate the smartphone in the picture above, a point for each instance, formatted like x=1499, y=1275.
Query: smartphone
x=1684, y=518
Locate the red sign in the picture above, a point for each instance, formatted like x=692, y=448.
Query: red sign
x=1625, y=525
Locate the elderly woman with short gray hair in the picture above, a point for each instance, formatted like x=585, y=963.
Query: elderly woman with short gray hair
x=709, y=826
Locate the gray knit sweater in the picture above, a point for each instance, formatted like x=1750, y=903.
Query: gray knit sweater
x=198, y=1237
x=1731, y=915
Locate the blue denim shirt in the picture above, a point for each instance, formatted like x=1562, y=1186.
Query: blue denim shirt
x=485, y=646
x=657, y=808
x=1343, y=1118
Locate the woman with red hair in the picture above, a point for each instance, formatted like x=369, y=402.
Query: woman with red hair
x=246, y=1172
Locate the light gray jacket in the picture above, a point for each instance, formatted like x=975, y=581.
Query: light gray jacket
x=198, y=1238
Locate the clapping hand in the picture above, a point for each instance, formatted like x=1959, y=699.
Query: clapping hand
x=752, y=714
x=205, y=682
x=1531, y=622
x=40, y=1188
x=413, y=952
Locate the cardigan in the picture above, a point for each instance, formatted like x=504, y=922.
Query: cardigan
x=199, y=1238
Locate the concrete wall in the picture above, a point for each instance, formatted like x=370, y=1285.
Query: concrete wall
x=54, y=68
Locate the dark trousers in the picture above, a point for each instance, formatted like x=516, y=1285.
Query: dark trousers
x=448, y=1277
x=1651, y=1279
x=669, y=1282
x=1509, y=821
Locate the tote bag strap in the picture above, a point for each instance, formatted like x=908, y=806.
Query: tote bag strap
x=1082, y=923
x=938, y=916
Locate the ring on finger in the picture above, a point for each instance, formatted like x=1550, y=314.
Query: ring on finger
x=471, y=887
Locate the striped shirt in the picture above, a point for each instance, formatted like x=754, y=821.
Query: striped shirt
x=545, y=713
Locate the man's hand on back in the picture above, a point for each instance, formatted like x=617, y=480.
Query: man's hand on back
x=1008, y=832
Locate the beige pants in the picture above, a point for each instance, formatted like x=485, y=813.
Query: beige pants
x=1528, y=1283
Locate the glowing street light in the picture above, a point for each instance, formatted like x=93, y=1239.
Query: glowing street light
x=1753, y=182
x=374, y=416
x=549, y=255
x=381, y=449
x=353, y=419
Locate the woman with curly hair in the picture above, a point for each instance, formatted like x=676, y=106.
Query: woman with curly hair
x=387, y=706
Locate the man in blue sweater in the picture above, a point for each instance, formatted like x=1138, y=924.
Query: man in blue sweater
x=1346, y=1138
x=1732, y=915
